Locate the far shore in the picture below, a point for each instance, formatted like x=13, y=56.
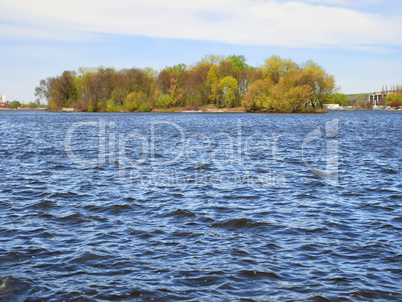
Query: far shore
x=32, y=109
x=199, y=110
x=202, y=110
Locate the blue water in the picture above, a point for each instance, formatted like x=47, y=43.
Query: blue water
x=200, y=207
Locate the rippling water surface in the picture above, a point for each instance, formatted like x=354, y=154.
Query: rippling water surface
x=200, y=207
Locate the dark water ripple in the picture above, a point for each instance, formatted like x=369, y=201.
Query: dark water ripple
x=220, y=223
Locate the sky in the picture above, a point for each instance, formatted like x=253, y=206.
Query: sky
x=357, y=41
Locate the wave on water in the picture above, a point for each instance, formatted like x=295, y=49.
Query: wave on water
x=239, y=216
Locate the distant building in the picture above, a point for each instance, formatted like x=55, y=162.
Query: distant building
x=3, y=98
x=332, y=106
x=377, y=98
x=68, y=109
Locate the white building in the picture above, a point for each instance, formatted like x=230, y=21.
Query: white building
x=332, y=106
x=377, y=98
x=2, y=98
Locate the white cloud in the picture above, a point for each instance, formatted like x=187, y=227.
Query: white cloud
x=345, y=2
x=42, y=33
x=292, y=23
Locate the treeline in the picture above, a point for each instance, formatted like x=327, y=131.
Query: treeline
x=278, y=85
x=393, y=89
x=17, y=104
x=393, y=95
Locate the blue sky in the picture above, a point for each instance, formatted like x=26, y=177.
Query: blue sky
x=356, y=41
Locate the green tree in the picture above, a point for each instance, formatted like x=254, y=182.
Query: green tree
x=280, y=84
x=213, y=84
x=176, y=92
x=15, y=104
x=134, y=100
x=228, y=86
x=239, y=62
x=241, y=72
x=145, y=107
x=63, y=91
x=33, y=105
x=296, y=98
x=338, y=98
x=211, y=60
x=275, y=67
x=363, y=104
x=258, y=96
x=164, y=100
x=322, y=83
x=394, y=97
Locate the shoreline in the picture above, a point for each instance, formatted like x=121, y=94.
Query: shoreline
x=200, y=110
x=31, y=109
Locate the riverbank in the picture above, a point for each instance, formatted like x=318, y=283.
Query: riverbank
x=232, y=110
x=338, y=107
x=201, y=110
x=33, y=109
x=208, y=109
x=24, y=108
x=216, y=110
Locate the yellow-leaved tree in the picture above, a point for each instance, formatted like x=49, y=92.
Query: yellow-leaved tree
x=229, y=86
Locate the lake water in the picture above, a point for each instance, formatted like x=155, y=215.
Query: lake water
x=200, y=207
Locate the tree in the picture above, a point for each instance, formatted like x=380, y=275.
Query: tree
x=338, y=98
x=164, y=100
x=393, y=97
x=363, y=104
x=296, y=98
x=239, y=62
x=133, y=101
x=292, y=94
x=213, y=83
x=322, y=84
x=195, y=85
x=241, y=72
x=43, y=91
x=175, y=83
x=176, y=92
x=145, y=107
x=279, y=85
x=275, y=67
x=63, y=91
x=97, y=87
x=163, y=81
x=15, y=104
x=395, y=104
x=258, y=96
x=228, y=85
x=33, y=105
x=211, y=60
x=88, y=93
